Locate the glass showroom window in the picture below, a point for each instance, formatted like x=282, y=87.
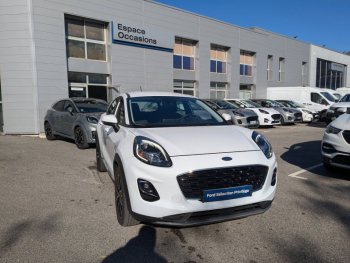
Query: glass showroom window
x=184, y=87
x=326, y=77
x=281, y=70
x=87, y=85
x=304, y=73
x=246, y=63
x=85, y=39
x=269, y=67
x=218, y=61
x=184, y=54
x=218, y=90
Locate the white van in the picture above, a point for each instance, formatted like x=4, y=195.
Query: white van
x=335, y=94
x=315, y=99
x=343, y=91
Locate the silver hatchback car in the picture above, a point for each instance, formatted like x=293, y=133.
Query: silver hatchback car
x=74, y=118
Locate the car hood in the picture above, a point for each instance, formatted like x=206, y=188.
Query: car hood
x=341, y=104
x=279, y=109
x=269, y=110
x=342, y=122
x=179, y=141
x=94, y=114
x=245, y=112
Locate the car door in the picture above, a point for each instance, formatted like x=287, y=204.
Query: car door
x=56, y=114
x=112, y=139
x=67, y=120
x=316, y=102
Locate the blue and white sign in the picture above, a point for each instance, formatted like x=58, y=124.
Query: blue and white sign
x=337, y=67
x=142, y=37
x=227, y=193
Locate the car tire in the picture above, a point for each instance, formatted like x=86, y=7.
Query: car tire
x=328, y=121
x=48, y=132
x=80, y=138
x=329, y=167
x=282, y=121
x=123, y=214
x=99, y=162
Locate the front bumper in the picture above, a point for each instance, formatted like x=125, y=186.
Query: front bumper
x=267, y=120
x=247, y=122
x=291, y=118
x=173, y=205
x=310, y=117
x=340, y=158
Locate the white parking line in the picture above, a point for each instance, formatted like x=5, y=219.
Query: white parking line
x=304, y=170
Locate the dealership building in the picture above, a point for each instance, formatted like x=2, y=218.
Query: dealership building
x=54, y=49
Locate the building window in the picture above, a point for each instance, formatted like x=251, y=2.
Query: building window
x=245, y=92
x=281, y=70
x=85, y=39
x=304, y=73
x=87, y=85
x=218, y=90
x=269, y=67
x=184, y=87
x=246, y=63
x=184, y=54
x=218, y=63
x=326, y=77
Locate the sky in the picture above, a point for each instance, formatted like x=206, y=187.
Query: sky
x=321, y=22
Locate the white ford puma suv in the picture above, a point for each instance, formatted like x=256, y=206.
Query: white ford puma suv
x=176, y=162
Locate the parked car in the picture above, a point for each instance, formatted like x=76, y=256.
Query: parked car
x=308, y=115
x=338, y=109
x=288, y=115
x=74, y=118
x=174, y=167
x=312, y=98
x=334, y=93
x=336, y=144
x=343, y=91
x=240, y=116
x=266, y=116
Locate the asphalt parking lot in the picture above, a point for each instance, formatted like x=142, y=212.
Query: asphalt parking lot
x=56, y=207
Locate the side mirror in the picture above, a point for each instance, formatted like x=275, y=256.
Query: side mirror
x=110, y=120
x=336, y=101
x=342, y=110
x=242, y=106
x=70, y=110
x=226, y=117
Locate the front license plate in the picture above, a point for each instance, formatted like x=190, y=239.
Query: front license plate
x=227, y=193
x=253, y=122
x=298, y=118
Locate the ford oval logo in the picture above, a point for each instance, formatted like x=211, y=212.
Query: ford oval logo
x=226, y=159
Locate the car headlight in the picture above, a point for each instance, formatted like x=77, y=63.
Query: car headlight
x=286, y=110
x=263, y=111
x=150, y=152
x=238, y=113
x=306, y=111
x=92, y=119
x=332, y=130
x=263, y=144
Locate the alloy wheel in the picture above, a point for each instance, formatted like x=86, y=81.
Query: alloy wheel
x=119, y=196
x=79, y=137
x=48, y=131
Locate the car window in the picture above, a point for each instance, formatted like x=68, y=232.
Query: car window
x=328, y=96
x=171, y=111
x=91, y=105
x=226, y=105
x=59, y=105
x=121, y=113
x=346, y=98
x=316, y=98
x=285, y=104
x=273, y=103
x=337, y=95
x=250, y=104
x=112, y=107
x=212, y=104
x=68, y=104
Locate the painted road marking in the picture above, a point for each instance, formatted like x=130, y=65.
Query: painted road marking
x=304, y=170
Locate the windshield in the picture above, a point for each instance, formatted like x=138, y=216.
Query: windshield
x=250, y=104
x=273, y=103
x=169, y=111
x=337, y=95
x=226, y=105
x=346, y=98
x=328, y=96
x=91, y=106
x=290, y=104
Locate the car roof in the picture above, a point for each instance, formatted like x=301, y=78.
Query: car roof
x=155, y=94
x=79, y=99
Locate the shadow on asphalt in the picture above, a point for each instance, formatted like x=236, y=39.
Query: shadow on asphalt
x=321, y=125
x=139, y=249
x=64, y=139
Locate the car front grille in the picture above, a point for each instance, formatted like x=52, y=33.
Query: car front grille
x=346, y=135
x=249, y=119
x=192, y=184
x=341, y=159
x=297, y=115
x=276, y=116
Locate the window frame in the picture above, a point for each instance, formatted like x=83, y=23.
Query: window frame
x=182, y=54
x=269, y=67
x=182, y=86
x=217, y=60
x=304, y=73
x=243, y=52
x=87, y=40
x=216, y=89
x=281, y=61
